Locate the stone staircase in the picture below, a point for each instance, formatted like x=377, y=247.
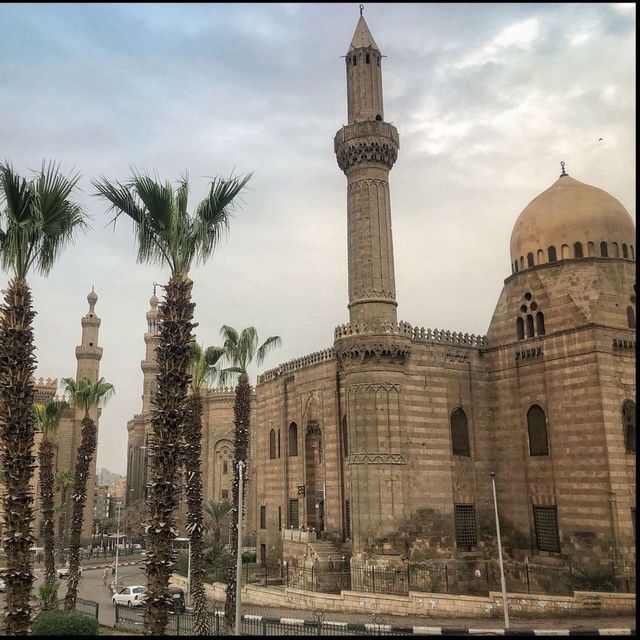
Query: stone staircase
x=324, y=551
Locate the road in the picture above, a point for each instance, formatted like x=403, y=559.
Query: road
x=91, y=588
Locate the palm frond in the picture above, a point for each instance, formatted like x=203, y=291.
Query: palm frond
x=48, y=415
x=228, y=377
x=267, y=346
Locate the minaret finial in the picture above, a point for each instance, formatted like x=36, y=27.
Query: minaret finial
x=564, y=173
x=361, y=9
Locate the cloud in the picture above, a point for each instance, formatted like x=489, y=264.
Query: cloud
x=487, y=99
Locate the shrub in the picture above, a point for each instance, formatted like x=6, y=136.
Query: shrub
x=64, y=623
x=248, y=557
x=594, y=578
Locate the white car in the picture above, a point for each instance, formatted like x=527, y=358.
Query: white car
x=63, y=572
x=131, y=596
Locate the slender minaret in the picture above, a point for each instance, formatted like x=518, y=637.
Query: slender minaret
x=366, y=149
x=373, y=348
x=88, y=355
x=149, y=365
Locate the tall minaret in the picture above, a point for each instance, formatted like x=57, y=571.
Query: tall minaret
x=149, y=365
x=366, y=149
x=88, y=353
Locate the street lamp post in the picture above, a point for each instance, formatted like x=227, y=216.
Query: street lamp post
x=239, y=549
x=117, y=544
x=505, y=606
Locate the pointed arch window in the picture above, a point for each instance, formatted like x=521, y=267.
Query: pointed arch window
x=521, y=263
x=530, y=262
x=625, y=251
x=293, y=439
x=272, y=444
x=629, y=424
x=460, y=433
x=278, y=444
x=515, y=266
x=577, y=250
x=553, y=256
x=631, y=318
x=530, y=328
x=591, y=249
x=564, y=251
x=367, y=59
x=520, y=328
x=539, y=323
x=537, y=428
x=615, y=250
x=540, y=256
x=604, y=249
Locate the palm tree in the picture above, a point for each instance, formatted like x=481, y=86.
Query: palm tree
x=64, y=482
x=217, y=512
x=203, y=370
x=48, y=416
x=37, y=221
x=167, y=234
x=241, y=350
x=86, y=396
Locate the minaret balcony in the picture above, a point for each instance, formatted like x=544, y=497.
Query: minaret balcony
x=371, y=140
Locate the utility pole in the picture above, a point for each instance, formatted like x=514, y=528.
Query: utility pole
x=117, y=544
x=505, y=606
x=239, y=549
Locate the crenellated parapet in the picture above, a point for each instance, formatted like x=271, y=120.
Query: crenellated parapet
x=298, y=363
x=416, y=334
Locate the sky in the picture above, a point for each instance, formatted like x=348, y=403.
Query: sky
x=488, y=99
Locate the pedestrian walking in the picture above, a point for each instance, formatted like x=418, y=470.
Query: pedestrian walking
x=113, y=569
x=105, y=576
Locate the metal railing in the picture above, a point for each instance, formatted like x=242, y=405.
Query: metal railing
x=88, y=607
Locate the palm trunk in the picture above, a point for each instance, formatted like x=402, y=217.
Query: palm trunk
x=17, y=431
x=242, y=418
x=173, y=356
x=195, y=526
x=62, y=524
x=47, y=500
x=86, y=451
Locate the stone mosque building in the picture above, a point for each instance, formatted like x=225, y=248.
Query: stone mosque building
x=383, y=443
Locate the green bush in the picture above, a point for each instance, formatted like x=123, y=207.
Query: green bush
x=64, y=623
x=248, y=557
x=594, y=578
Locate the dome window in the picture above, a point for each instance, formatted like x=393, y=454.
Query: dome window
x=553, y=256
x=577, y=250
x=633, y=257
x=530, y=260
x=604, y=249
x=515, y=266
x=615, y=251
x=540, y=256
x=625, y=251
x=564, y=251
x=521, y=262
x=591, y=249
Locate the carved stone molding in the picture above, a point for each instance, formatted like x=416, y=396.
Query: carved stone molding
x=372, y=386
x=377, y=458
x=456, y=356
x=351, y=154
x=357, y=352
x=528, y=354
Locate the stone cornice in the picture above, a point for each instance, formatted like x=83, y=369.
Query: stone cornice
x=299, y=363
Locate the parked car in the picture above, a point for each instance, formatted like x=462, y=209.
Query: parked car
x=63, y=572
x=3, y=586
x=131, y=596
x=177, y=600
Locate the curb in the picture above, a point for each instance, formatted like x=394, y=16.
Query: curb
x=439, y=631
x=108, y=566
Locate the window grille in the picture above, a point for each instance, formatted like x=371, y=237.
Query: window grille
x=545, y=521
x=537, y=428
x=294, y=513
x=347, y=518
x=465, y=519
x=225, y=468
x=279, y=518
x=460, y=433
x=263, y=517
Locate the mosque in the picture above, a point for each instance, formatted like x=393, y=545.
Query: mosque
x=381, y=447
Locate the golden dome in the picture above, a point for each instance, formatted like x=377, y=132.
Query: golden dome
x=571, y=219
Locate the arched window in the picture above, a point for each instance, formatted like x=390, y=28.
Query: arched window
x=460, y=433
x=345, y=437
x=367, y=59
x=515, y=266
x=625, y=252
x=520, y=328
x=521, y=262
x=631, y=318
x=629, y=424
x=564, y=251
x=552, y=254
x=577, y=250
x=354, y=61
x=539, y=323
x=537, y=427
x=540, y=256
x=591, y=249
x=530, y=329
x=604, y=250
x=633, y=255
x=615, y=251
x=293, y=439
x=378, y=117
x=278, y=443
x=272, y=444
x=530, y=259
